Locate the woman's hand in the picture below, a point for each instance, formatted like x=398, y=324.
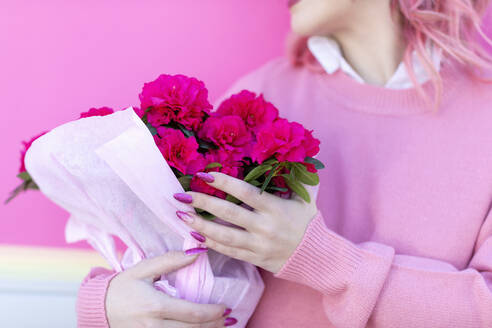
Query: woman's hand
x=132, y=301
x=271, y=232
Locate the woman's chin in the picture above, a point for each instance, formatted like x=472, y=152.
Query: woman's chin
x=302, y=27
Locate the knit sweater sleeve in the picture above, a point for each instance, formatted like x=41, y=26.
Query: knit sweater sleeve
x=368, y=284
x=91, y=311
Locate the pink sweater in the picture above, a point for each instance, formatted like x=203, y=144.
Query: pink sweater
x=404, y=233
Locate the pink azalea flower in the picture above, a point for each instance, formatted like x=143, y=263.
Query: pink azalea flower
x=175, y=98
x=311, y=145
x=103, y=111
x=229, y=167
x=287, y=141
x=27, y=145
x=224, y=157
x=255, y=111
x=229, y=133
x=178, y=150
x=196, y=165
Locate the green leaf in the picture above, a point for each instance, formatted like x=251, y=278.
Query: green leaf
x=257, y=172
x=185, y=131
x=269, y=177
x=206, y=144
x=24, y=176
x=297, y=187
x=233, y=199
x=271, y=161
x=317, y=163
x=304, y=176
x=185, y=181
x=144, y=117
x=213, y=165
x=255, y=183
x=207, y=216
x=151, y=129
x=188, y=133
x=176, y=172
x=275, y=188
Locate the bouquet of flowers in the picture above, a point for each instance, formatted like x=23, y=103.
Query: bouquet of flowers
x=116, y=173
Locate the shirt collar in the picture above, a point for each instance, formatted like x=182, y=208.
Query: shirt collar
x=328, y=53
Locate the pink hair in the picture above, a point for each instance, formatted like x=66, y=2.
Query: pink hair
x=454, y=26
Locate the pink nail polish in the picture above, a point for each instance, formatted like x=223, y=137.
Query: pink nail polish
x=184, y=216
x=184, y=198
x=230, y=321
x=227, y=312
x=194, y=251
x=198, y=236
x=205, y=177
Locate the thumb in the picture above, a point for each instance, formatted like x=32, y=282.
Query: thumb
x=155, y=266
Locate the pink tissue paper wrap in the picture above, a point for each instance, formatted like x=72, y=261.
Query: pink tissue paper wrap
x=110, y=176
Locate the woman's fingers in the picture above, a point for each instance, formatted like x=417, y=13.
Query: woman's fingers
x=156, y=323
x=236, y=253
x=184, y=311
x=240, y=189
x=221, y=208
x=219, y=232
x=156, y=266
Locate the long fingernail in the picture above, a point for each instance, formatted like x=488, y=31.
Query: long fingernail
x=198, y=236
x=205, y=177
x=230, y=321
x=184, y=216
x=227, y=312
x=184, y=198
x=194, y=251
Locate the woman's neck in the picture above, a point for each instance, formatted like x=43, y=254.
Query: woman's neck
x=373, y=45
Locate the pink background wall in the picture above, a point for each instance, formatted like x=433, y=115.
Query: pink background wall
x=58, y=58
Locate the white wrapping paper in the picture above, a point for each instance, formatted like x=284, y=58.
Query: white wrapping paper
x=109, y=175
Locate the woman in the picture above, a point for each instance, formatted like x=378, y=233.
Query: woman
x=401, y=235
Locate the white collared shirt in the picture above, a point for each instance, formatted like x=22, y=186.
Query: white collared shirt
x=328, y=53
